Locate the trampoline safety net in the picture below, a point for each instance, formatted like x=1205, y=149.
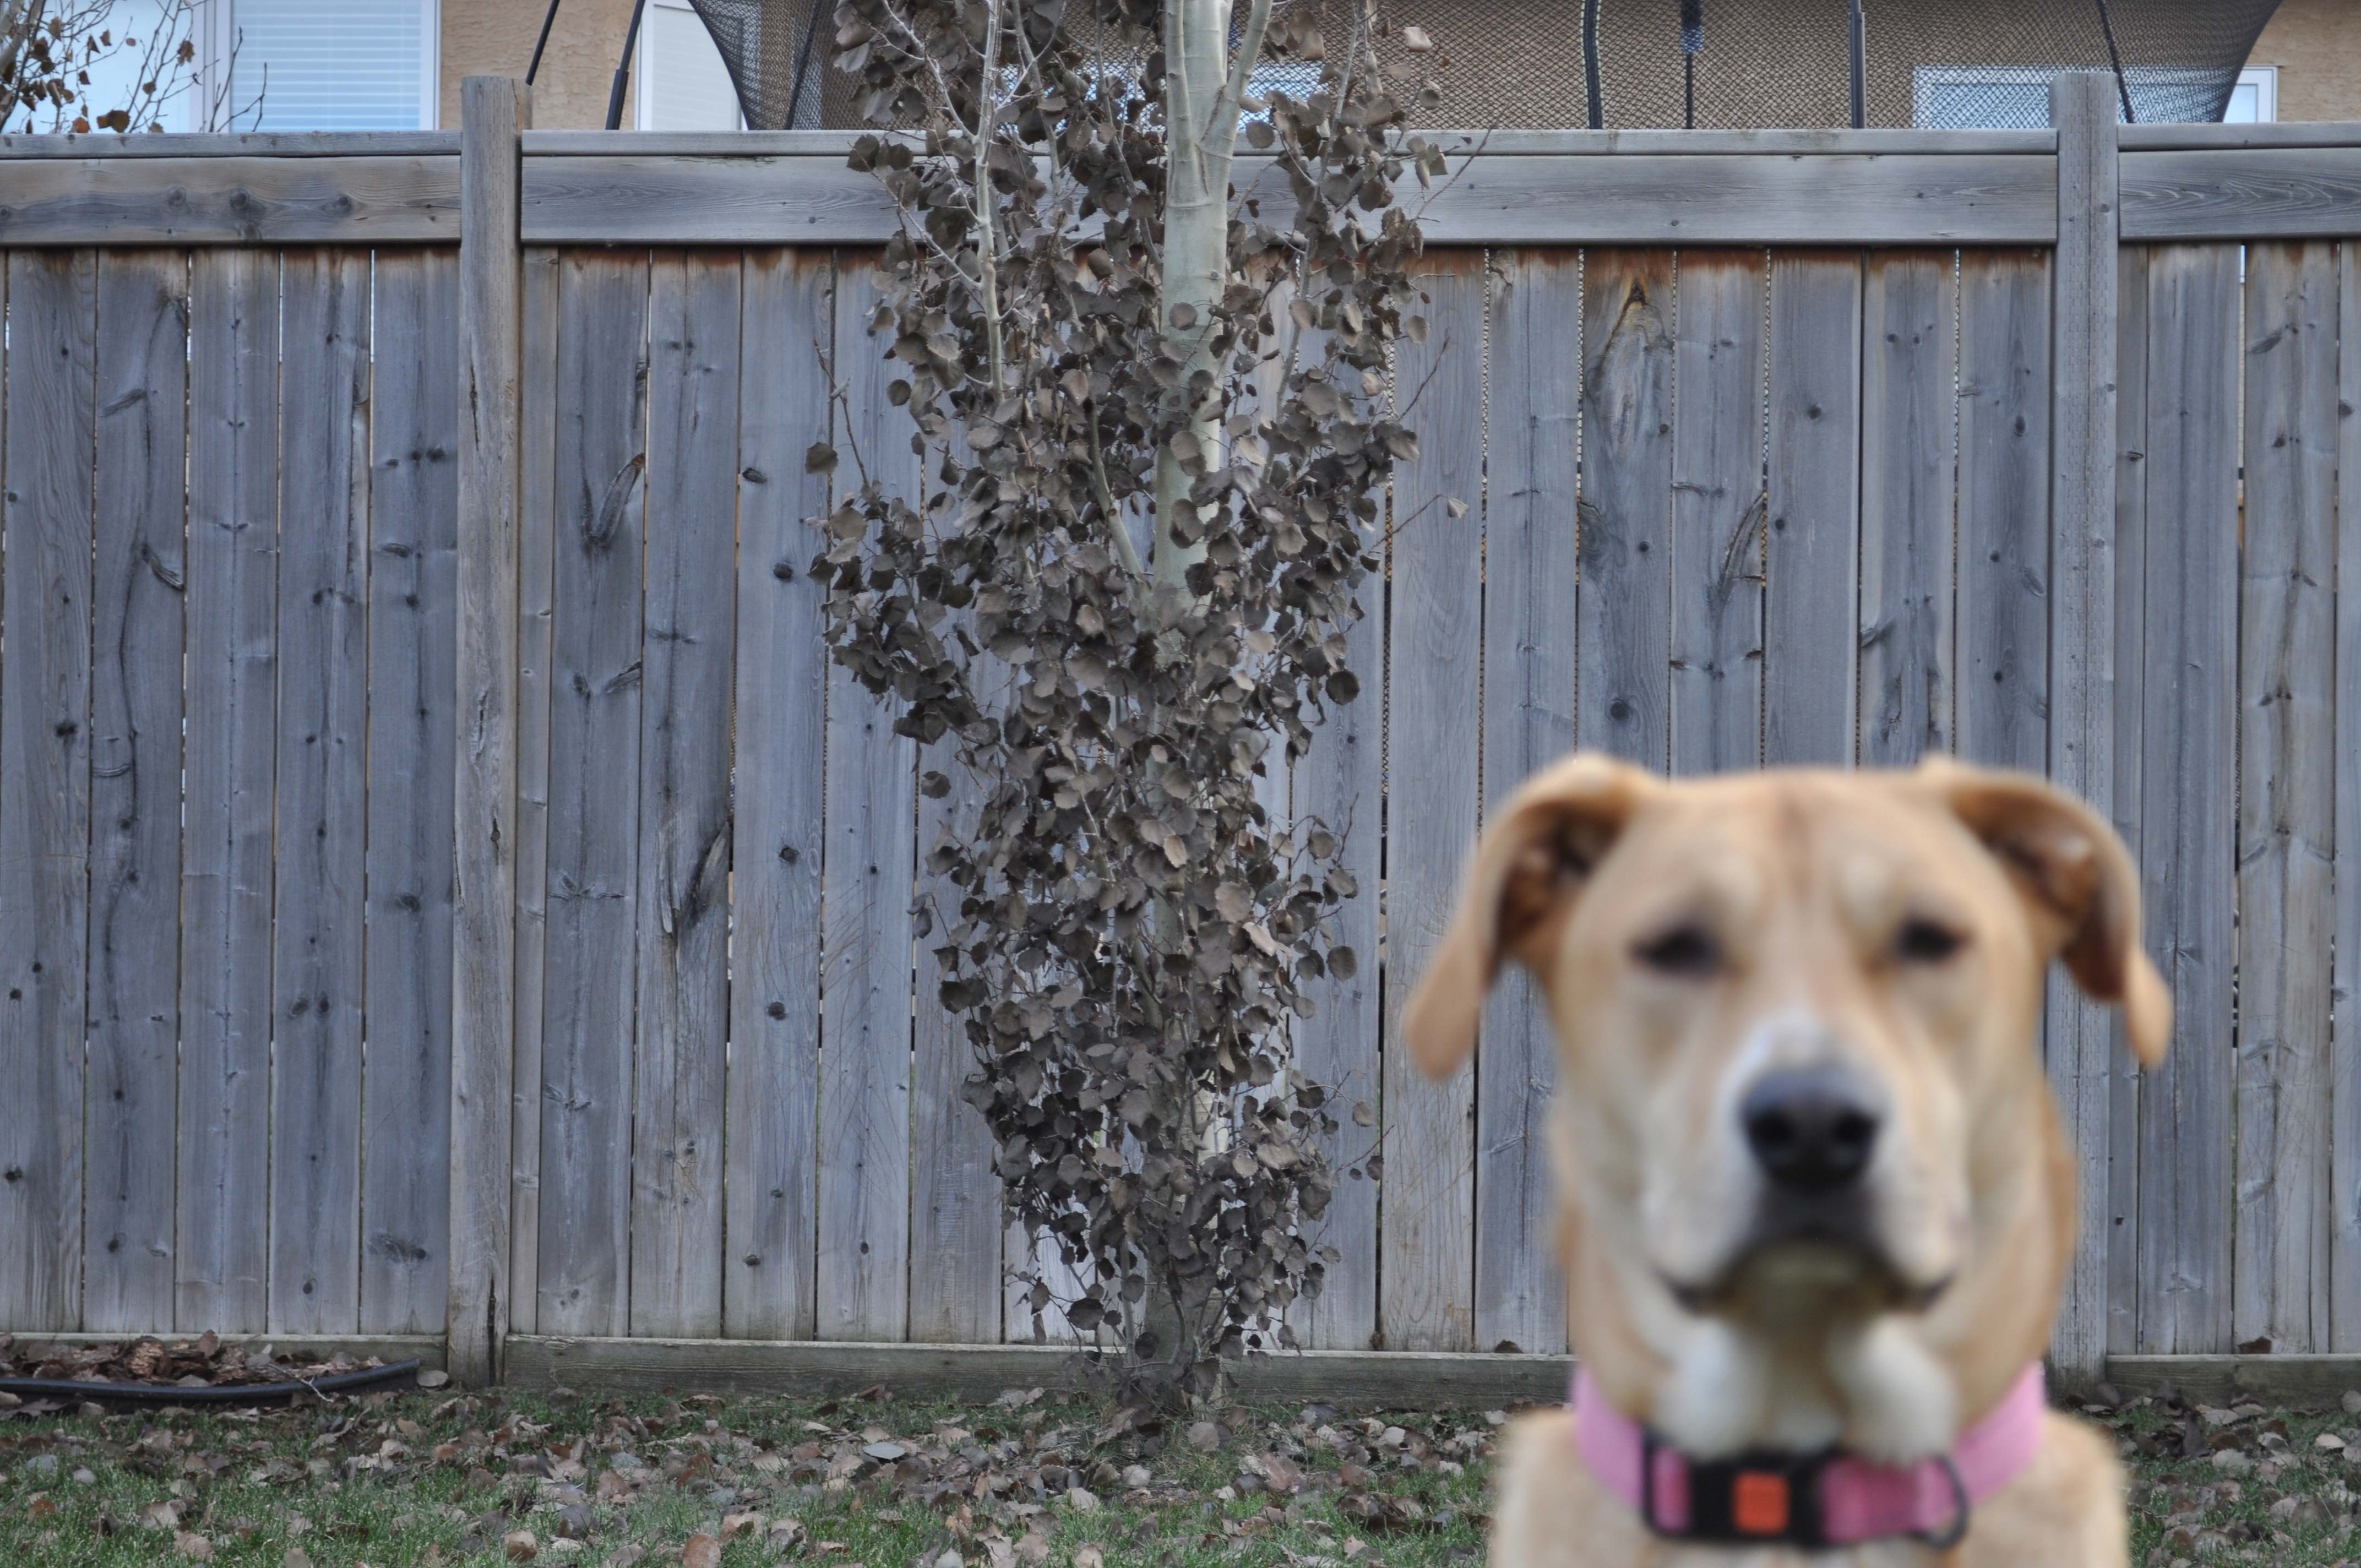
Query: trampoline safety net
x=1724, y=64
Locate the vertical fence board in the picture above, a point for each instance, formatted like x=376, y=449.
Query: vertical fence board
x=2003, y=524
x=232, y=760
x=2286, y=798
x=487, y=585
x=2187, y=819
x=1340, y=783
x=956, y=1214
x=1910, y=336
x=1718, y=512
x=2344, y=1023
x=46, y=535
x=683, y=827
x=413, y=685
x=774, y=1091
x=2078, y=720
x=135, y=719
x=1625, y=621
x=1812, y=546
x=537, y=568
x=594, y=745
x=318, y=843
x=1426, y=1204
x=1529, y=688
x=2125, y=1084
x=871, y=816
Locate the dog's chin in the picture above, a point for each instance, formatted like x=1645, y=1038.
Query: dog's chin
x=1808, y=1279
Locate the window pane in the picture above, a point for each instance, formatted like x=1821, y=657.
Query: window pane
x=137, y=56
x=688, y=87
x=331, y=65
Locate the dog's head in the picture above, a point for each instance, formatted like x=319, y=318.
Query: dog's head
x=1798, y=1016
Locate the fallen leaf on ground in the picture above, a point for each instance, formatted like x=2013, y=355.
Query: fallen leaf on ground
x=521, y=1545
x=702, y=1552
x=194, y=1547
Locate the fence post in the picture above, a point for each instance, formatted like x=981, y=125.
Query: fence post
x=2081, y=1036
x=483, y=1005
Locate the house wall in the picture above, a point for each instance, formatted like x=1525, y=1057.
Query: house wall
x=2316, y=44
x=494, y=38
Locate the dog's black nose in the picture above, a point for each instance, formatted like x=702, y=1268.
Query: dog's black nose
x=1812, y=1129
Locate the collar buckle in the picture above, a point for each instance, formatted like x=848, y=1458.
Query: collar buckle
x=1755, y=1499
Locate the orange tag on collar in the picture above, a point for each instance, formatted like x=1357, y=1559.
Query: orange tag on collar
x=1759, y=1503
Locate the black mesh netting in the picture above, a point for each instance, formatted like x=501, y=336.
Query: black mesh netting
x=1547, y=64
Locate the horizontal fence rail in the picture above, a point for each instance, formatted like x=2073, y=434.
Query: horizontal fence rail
x=1778, y=447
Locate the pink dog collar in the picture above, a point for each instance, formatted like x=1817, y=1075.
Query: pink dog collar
x=1831, y=1499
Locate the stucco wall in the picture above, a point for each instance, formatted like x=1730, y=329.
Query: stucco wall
x=2316, y=44
x=494, y=38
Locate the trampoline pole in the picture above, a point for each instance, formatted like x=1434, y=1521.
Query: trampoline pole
x=623, y=70
x=542, y=42
x=1692, y=45
x=803, y=64
x=1591, y=65
x=2115, y=58
x=1859, y=67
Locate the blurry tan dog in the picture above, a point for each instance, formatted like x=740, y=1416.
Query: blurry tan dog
x=1867, y=951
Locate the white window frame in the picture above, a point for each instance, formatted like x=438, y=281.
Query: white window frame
x=2264, y=78
x=219, y=41
x=2265, y=81
x=644, y=100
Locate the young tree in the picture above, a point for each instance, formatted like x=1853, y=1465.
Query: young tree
x=1152, y=414
x=85, y=65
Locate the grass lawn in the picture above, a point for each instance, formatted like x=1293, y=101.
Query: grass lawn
x=420, y=1478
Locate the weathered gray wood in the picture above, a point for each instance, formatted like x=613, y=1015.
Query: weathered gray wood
x=484, y=1012
x=537, y=565
x=1340, y=784
x=2064, y=616
x=684, y=824
x=319, y=836
x=1718, y=511
x=46, y=538
x=1427, y=1201
x=870, y=810
x=2282, y=1382
x=590, y=1007
x=956, y=1213
x=1626, y=510
x=1528, y=718
x=230, y=201
x=414, y=685
x=427, y=1349
x=2286, y=798
x=233, y=674
x=773, y=1092
x=977, y=1374
x=2202, y=136
x=1658, y=198
x=2273, y=193
x=2121, y=1220
x=2345, y=1001
x=2004, y=477
x=1811, y=547
x=1910, y=327
x=234, y=143
x=2187, y=784
x=1777, y=143
x=136, y=719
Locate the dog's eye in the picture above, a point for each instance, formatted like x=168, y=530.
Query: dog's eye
x=1687, y=950
x=1923, y=941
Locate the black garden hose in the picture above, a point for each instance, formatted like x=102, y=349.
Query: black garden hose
x=403, y=1374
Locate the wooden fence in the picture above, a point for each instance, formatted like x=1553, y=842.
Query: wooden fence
x=446, y=890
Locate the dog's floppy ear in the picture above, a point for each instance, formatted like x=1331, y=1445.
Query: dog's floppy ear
x=1541, y=845
x=2079, y=882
